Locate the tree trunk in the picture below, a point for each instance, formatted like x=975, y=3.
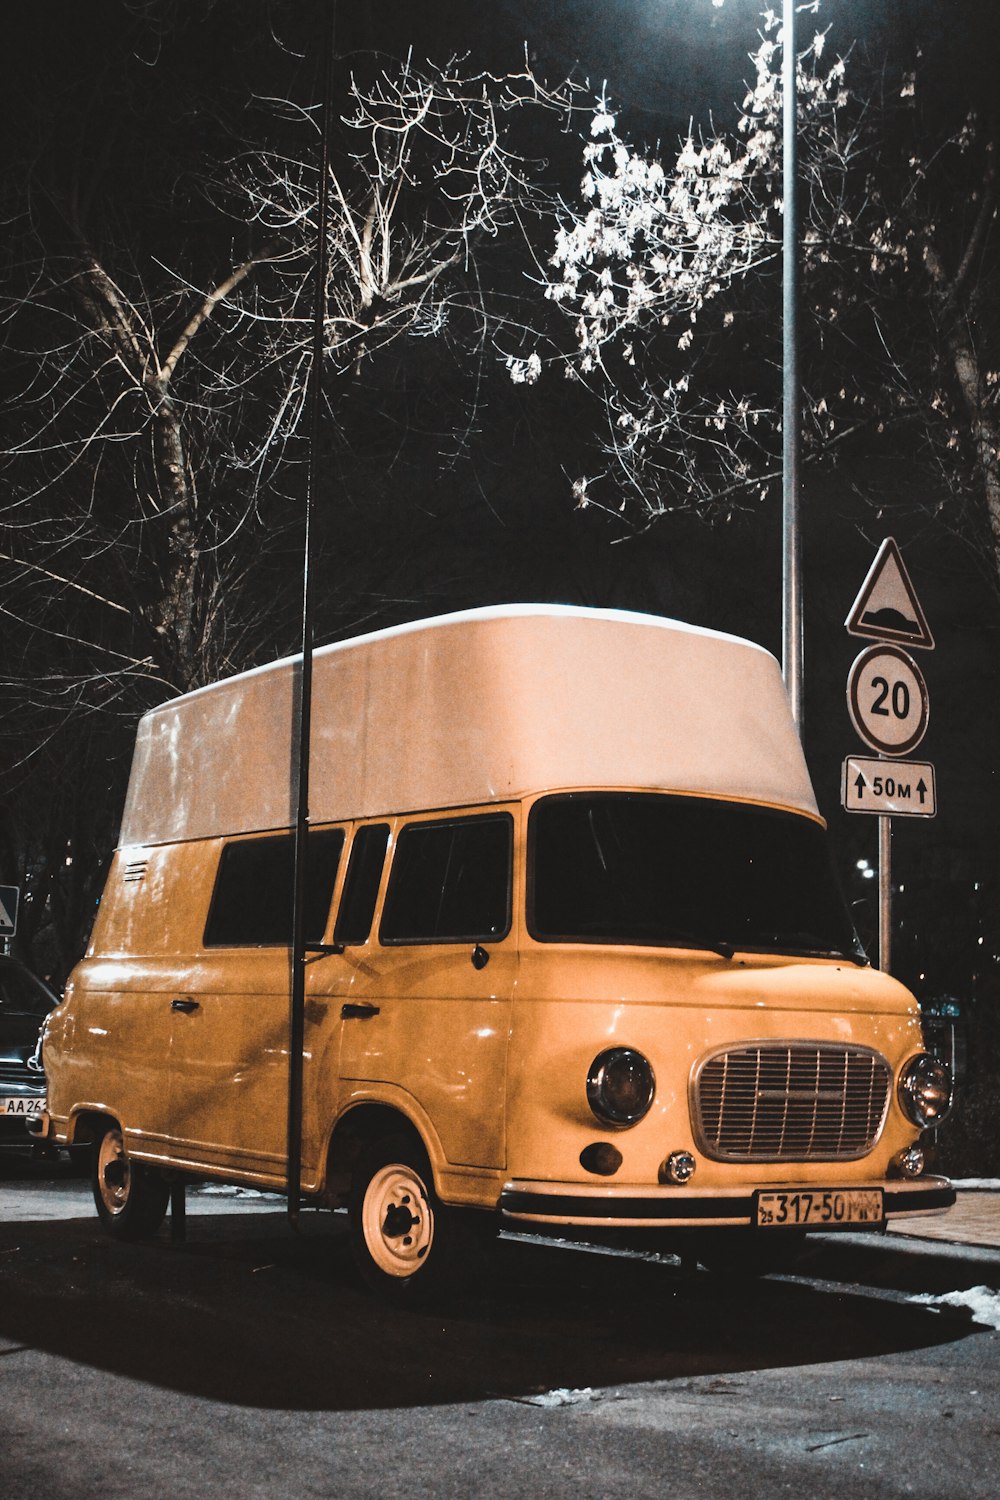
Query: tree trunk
x=176, y=615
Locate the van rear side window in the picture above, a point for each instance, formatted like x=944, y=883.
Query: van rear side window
x=450, y=882
x=252, y=902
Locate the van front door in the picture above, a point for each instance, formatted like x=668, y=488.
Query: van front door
x=426, y=1002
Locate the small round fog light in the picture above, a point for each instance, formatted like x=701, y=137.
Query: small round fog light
x=909, y=1163
x=678, y=1167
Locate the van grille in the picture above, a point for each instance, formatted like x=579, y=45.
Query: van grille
x=14, y=1072
x=791, y=1102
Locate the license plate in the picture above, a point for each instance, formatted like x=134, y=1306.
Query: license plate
x=22, y=1104
x=819, y=1207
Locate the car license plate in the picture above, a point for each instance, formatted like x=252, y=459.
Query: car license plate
x=22, y=1104
x=819, y=1208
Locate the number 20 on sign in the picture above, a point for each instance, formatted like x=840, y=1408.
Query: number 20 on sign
x=887, y=700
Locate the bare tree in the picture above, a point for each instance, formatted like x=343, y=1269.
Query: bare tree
x=159, y=404
x=153, y=459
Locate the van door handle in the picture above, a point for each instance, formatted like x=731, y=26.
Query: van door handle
x=184, y=1003
x=350, y=1012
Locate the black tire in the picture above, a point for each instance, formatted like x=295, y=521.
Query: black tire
x=402, y=1238
x=131, y=1198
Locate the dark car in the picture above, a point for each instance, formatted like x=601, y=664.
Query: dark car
x=24, y=1003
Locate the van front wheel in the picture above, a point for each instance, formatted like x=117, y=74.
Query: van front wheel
x=400, y=1233
x=131, y=1198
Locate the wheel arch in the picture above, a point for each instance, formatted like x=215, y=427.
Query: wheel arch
x=86, y=1125
x=360, y=1124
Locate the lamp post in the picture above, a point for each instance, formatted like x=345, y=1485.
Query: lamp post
x=791, y=394
x=791, y=401
x=302, y=711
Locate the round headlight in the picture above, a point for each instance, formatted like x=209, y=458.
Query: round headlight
x=925, y=1090
x=620, y=1086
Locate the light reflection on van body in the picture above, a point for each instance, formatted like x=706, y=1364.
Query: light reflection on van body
x=592, y=968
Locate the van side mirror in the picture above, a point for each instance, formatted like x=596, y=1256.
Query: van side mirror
x=480, y=957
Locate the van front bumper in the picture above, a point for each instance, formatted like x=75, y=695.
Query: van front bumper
x=670, y=1208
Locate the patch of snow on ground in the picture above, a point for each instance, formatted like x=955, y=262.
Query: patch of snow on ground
x=976, y=1184
x=229, y=1190
x=562, y=1397
x=980, y=1303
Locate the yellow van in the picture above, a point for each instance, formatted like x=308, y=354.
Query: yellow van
x=579, y=957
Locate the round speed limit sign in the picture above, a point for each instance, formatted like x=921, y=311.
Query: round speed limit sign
x=887, y=700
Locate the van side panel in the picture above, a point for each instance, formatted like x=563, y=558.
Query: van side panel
x=110, y=1044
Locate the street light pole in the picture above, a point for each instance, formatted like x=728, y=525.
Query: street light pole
x=791, y=402
x=301, y=737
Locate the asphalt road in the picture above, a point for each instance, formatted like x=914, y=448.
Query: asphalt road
x=249, y=1362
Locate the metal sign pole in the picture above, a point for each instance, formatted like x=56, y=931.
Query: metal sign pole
x=885, y=894
x=296, y=1020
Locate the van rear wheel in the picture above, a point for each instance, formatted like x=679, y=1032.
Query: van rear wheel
x=401, y=1235
x=131, y=1198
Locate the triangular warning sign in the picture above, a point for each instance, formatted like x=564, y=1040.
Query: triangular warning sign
x=887, y=608
x=7, y=922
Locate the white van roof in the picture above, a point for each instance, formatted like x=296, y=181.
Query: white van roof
x=480, y=706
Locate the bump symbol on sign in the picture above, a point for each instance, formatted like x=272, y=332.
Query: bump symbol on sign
x=887, y=608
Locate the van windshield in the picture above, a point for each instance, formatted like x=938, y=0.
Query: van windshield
x=689, y=872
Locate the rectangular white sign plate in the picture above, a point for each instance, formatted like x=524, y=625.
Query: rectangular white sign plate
x=893, y=788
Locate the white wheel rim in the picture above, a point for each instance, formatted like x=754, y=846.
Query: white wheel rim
x=114, y=1195
x=397, y=1220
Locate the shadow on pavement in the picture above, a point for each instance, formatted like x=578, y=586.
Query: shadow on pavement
x=249, y=1314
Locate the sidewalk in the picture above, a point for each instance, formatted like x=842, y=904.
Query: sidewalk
x=974, y=1219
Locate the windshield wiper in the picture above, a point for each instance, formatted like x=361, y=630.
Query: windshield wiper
x=809, y=945
x=695, y=940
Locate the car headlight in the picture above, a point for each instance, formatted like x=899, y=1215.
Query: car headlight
x=925, y=1090
x=620, y=1086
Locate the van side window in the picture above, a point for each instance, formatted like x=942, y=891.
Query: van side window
x=450, y=881
x=361, y=883
x=252, y=901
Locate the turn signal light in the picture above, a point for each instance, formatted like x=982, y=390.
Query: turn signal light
x=910, y=1162
x=678, y=1168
